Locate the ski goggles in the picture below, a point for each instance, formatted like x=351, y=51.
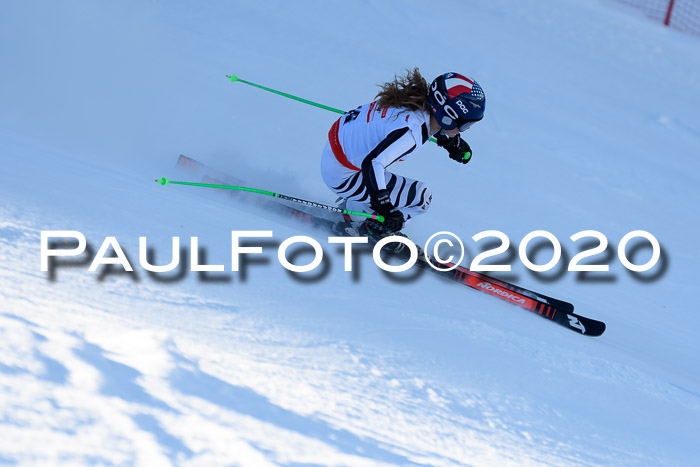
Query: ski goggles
x=461, y=124
x=466, y=125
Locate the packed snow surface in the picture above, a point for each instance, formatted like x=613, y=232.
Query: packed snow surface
x=591, y=123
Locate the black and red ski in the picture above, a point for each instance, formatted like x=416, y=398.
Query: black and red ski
x=555, y=310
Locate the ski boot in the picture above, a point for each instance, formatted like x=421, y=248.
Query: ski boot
x=375, y=231
x=345, y=228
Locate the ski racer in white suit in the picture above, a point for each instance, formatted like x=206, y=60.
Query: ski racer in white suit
x=364, y=142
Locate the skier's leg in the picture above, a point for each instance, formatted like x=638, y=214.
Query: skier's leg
x=411, y=197
x=344, y=182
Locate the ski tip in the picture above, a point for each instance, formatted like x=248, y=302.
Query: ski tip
x=233, y=78
x=163, y=181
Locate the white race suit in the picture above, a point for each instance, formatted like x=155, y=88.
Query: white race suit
x=363, y=143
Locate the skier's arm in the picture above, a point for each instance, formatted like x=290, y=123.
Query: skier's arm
x=458, y=149
x=396, y=145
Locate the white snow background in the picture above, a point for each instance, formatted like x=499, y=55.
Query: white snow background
x=591, y=123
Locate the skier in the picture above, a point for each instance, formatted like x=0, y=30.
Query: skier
x=364, y=142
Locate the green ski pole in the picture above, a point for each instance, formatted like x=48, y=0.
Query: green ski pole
x=236, y=79
x=164, y=181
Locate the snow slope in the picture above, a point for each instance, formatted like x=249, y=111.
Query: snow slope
x=591, y=124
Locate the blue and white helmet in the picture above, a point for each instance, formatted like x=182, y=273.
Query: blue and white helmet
x=456, y=101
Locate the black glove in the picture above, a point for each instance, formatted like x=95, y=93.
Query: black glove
x=393, y=218
x=458, y=149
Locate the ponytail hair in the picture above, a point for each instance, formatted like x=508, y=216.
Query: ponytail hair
x=409, y=91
